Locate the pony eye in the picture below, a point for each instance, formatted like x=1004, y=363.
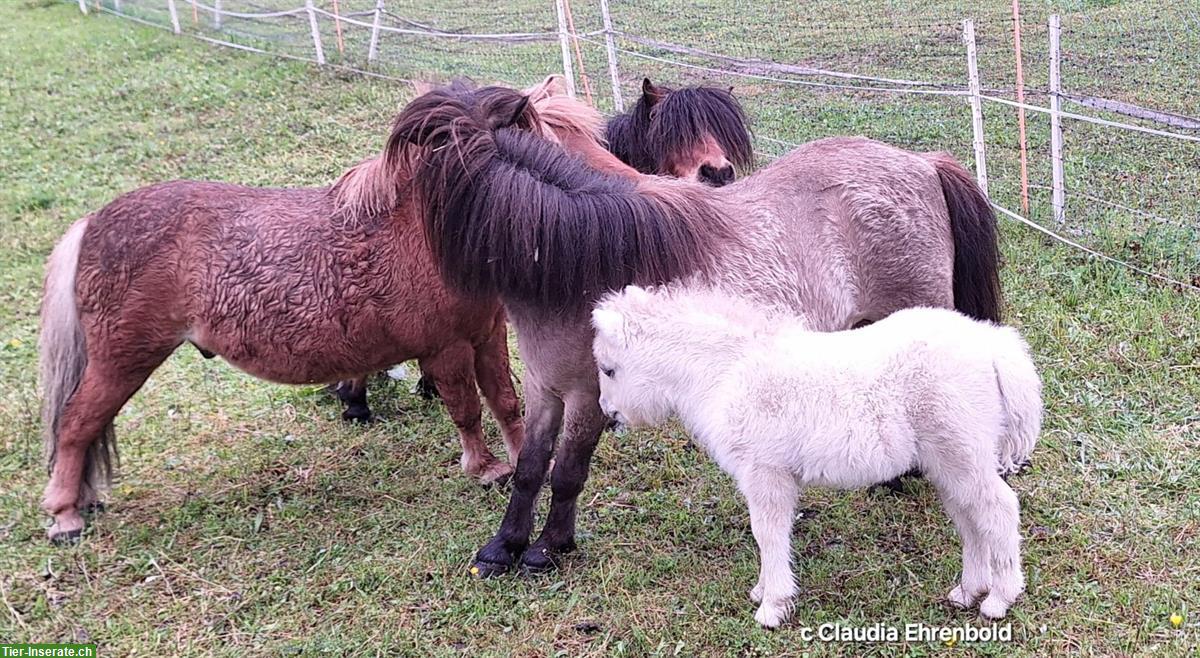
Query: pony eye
x=608, y=372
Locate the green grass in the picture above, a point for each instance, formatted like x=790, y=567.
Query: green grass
x=250, y=521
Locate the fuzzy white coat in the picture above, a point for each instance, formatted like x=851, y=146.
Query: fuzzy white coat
x=780, y=408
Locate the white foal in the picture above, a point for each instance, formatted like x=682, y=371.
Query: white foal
x=780, y=408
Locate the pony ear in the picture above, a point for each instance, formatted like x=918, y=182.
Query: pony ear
x=651, y=93
x=610, y=325
x=637, y=294
x=555, y=85
x=505, y=118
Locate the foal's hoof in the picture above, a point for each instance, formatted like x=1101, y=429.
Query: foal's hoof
x=357, y=414
x=993, y=607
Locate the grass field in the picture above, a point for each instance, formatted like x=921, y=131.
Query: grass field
x=250, y=521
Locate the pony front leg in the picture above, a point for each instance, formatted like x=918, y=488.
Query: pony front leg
x=771, y=498
x=543, y=420
x=453, y=370
x=585, y=421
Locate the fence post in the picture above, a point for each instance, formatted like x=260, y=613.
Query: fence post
x=316, y=32
x=83, y=7
x=117, y=5
x=373, y=49
x=618, y=102
x=1056, y=138
x=1016, y=8
x=174, y=16
x=565, y=42
x=976, y=106
x=216, y=14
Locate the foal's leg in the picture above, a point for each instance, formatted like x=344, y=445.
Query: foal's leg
x=496, y=382
x=997, y=514
x=102, y=392
x=353, y=393
x=453, y=370
x=771, y=497
x=543, y=419
x=584, y=423
x=976, y=573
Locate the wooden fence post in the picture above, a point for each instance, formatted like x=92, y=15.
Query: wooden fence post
x=1024, y=143
x=373, y=49
x=83, y=7
x=174, y=16
x=216, y=14
x=565, y=43
x=316, y=32
x=1056, y=137
x=613, y=73
x=976, y=106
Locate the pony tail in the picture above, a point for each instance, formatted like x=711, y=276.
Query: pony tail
x=976, y=278
x=62, y=356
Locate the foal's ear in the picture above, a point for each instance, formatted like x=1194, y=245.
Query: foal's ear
x=610, y=325
x=651, y=93
x=637, y=294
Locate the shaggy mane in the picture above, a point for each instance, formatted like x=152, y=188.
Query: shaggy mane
x=510, y=213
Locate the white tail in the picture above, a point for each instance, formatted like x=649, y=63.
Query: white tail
x=63, y=354
x=1021, y=392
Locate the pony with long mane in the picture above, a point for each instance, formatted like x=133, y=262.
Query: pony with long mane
x=297, y=286
x=693, y=133
x=843, y=231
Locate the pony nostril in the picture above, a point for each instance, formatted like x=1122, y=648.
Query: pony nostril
x=716, y=177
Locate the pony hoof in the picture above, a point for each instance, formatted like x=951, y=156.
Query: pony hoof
x=993, y=607
x=497, y=474
x=483, y=569
x=959, y=598
x=771, y=616
x=540, y=561
x=357, y=415
x=65, y=538
x=426, y=389
x=94, y=507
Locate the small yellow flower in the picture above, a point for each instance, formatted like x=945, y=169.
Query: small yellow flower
x=16, y=342
x=1176, y=620
x=951, y=642
x=474, y=571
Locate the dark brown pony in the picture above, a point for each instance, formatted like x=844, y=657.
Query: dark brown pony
x=843, y=231
x=693, y=133
x=291, y=285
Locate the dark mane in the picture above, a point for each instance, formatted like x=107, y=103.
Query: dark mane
x=510, y=213
x=646, y=136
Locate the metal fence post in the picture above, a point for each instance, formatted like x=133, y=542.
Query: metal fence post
x=216, y=14
x=976, y=106
x=316, y=32
x=565, y=42
x=373, y=49
x=174, y=16
x=1058, y=189
x=618, y=102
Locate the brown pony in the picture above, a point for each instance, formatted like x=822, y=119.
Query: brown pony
x=694, y=133
x=291, y=285
x=844, y=231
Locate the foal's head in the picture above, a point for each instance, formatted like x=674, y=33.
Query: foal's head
x=694, y=133
x=631, y=393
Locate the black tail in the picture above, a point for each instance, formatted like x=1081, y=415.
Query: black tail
x=509, y=213
x=976, y=251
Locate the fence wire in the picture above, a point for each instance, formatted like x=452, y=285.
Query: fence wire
x=803, y=71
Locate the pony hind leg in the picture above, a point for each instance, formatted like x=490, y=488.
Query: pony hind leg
x=584, y=422
x=85, y=427
x=496, y=381
x=998, y=517
x=453, y=370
